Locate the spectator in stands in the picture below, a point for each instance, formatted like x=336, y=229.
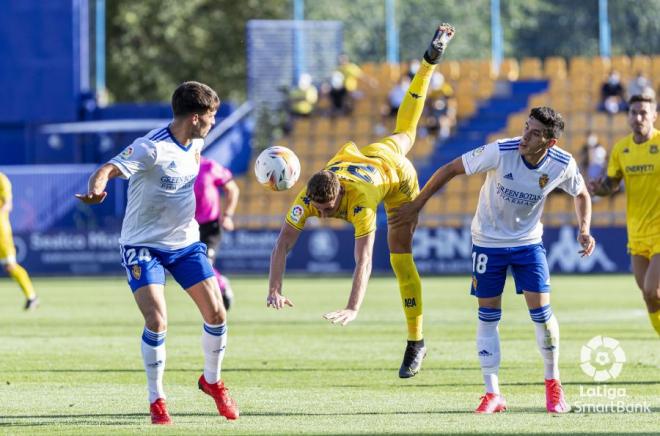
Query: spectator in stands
x=340, y=103
x=639, y=85
x=412, y=68
x=395, y=97
x=8, y=249
x=440, y=107
x=343, y=89
x=593, y=157
x=303, y=96
x=612, y=94
x=212, y=219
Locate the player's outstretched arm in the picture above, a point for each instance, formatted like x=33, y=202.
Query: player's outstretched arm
x=408, y=212
x=232, y=192
x=364, y=248
x=285, y=242
x=583, y=212
x=97, y=182
x=604, y=186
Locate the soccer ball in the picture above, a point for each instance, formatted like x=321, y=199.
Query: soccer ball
x=277, y=168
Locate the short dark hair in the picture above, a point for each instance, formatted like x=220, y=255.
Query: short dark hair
x=643, y=98
x=323, y=186
x=194, y=98
x=551, y=119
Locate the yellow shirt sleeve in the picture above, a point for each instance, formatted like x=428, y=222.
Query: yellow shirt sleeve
x=363, y=219
x=614, y=169
x=300, y=210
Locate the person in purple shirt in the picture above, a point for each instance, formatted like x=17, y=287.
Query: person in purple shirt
x=210, y=215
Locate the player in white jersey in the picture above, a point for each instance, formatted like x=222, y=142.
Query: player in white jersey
x=506, y=232
x=159, y=232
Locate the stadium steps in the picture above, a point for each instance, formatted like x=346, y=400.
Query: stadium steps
x=491, y=116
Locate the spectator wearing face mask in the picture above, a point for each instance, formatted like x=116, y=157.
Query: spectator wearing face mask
x=612, y=94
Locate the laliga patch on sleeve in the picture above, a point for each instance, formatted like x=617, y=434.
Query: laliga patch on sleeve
x=477, y=151
x=128, y=152
x=296, y=213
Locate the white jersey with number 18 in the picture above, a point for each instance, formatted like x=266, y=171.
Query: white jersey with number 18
x=512, y=197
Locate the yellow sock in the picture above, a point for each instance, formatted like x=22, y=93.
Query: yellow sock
x=412, y=106
x=410, y=287
x=655, y=320
x=21, y=276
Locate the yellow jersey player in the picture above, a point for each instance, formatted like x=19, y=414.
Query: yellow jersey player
x=8, y=250
x=350, y=187
x=635, y=159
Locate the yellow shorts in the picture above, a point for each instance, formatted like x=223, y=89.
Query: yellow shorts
x=404, y=186
x=645, y=247
x=7, y=250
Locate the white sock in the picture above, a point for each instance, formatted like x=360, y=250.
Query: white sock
x=214, y=342
x=488, y=347
x=547, y=339
x=153, y=355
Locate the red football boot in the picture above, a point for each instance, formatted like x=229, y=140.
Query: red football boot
x=226, y=406
x=491, y=403
x=159, y=413
x=554, y=397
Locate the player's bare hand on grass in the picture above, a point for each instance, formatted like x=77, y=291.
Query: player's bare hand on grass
x=407, y=213
x=92, y=198
x=342, y=317
x=278, y=301
x=588, y=244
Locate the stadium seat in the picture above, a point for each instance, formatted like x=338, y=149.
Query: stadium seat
x=509, y=70
x=531, y=68
x=555, y=67
x=641, y=63
x=450, y=69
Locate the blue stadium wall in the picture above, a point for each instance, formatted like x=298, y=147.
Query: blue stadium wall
x=321, y=251
x=43, y=68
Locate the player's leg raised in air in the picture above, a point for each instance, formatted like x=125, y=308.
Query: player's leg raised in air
x=399, y=238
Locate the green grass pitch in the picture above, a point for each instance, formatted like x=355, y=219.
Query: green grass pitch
x=74, y=366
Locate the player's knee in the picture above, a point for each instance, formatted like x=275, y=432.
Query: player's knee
x=651, y=293
x=217, y=317
x=156, y=323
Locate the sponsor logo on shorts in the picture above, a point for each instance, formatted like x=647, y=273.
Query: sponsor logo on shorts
x=296, y=213
x=136, y=271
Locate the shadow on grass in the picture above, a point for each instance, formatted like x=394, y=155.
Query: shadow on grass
x=264, y=368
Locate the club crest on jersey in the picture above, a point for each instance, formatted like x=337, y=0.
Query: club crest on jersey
x=543, y=180
x=477, y=151
x=197, y=157
x=296, y=213
x=128, y=152
x=653, y=149
x=136, y=270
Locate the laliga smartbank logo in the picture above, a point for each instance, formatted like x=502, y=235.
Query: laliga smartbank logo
x=602, y=359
